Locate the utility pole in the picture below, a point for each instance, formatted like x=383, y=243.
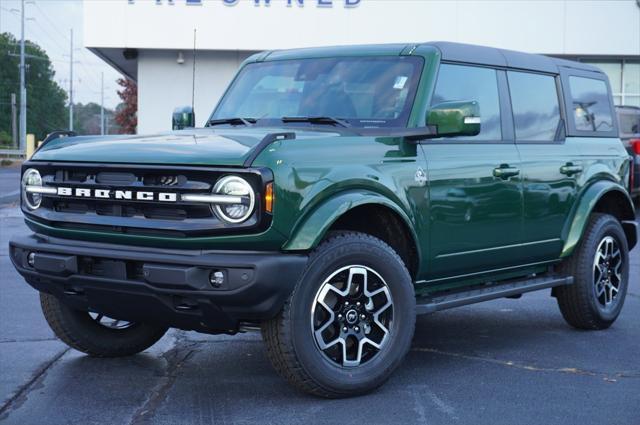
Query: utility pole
x=102, y=103
x=70, y=82
x=23, y=88
x=14, y=120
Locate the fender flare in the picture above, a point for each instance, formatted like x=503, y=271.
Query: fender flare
x=311, y=228
x=586, y=204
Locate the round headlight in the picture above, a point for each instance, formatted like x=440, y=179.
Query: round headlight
x=31, y=177
x=234, y=186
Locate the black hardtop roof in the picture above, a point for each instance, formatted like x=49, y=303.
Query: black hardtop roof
x=482, y=55
x=454, y=52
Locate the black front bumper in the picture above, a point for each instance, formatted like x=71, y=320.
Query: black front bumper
x=168, y=287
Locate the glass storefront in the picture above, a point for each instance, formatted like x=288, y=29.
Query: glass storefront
x=624, y=76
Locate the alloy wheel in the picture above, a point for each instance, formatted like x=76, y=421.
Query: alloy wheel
x=607, y=272
x=351, y=315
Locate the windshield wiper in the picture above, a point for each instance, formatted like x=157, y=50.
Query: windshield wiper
x=233, y=121
x=318, y=120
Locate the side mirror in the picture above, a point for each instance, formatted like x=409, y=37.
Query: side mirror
x=183, y=117
x=455, y=118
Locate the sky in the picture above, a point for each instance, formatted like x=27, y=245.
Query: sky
x=48, y=23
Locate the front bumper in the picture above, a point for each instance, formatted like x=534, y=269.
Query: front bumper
x=163, y=286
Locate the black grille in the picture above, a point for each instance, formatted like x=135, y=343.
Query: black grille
x=176, y=219
x=118, y=209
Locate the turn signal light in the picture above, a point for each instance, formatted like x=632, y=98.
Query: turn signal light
x=268, y=198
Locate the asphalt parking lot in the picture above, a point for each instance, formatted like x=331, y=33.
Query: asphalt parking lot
x=501, y=362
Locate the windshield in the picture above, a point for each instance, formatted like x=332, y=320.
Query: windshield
x=362, y=91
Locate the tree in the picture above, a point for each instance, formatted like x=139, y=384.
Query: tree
x=86, y=119
x=127, y=112
x=46, y=100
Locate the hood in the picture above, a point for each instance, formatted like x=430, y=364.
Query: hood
x=230, y=147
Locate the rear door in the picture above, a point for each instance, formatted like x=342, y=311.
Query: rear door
x=475, y=196
x=551, y=163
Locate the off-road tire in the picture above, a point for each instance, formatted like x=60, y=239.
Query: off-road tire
x=78, y=330
x=578, y=302
x=289, y=339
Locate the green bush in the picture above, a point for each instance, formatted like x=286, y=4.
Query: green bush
x=5, y=139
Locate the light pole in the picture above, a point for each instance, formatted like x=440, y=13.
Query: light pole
x=70, y=82
x=23, y=87
x=102, y=103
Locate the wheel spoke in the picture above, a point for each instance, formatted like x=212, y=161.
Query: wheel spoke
x=617, y=270
x=109, y=322
x=350, y=363
x=608, y=295
x=324, y=345
x=598, y=270
x=611, y=247
x=355, y=271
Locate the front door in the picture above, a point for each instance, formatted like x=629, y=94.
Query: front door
x=475, y=189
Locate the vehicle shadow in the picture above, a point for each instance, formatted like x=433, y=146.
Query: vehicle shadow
x=193, y=378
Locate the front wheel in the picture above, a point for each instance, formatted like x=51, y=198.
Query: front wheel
x=600, y=267
x=96, y=334
x=348, y=323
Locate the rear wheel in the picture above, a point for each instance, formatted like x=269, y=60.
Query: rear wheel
x=600, y=267
x=349, y=322
x=96, y=334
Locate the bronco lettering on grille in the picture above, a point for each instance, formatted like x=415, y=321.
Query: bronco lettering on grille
x=117, y=194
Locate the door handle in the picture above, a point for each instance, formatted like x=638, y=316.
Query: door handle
x=504, y=172
x=569, y=169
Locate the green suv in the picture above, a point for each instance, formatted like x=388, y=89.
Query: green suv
x=333, y=194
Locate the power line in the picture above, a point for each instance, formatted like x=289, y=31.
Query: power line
x=49, y=36
x=66, y=39
x=53, y=25
x=50, y=31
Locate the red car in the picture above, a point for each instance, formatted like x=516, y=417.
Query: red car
x=629, y=119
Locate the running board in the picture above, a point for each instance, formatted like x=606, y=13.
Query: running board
x=443, y=301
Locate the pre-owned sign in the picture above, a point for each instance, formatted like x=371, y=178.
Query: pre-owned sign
x=320, y=3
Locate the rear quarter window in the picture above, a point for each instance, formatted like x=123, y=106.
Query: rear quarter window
x=591, y=105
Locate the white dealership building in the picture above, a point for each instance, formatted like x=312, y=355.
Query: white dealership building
x=152, y=41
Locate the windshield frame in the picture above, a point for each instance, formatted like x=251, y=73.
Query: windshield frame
x=356, y=123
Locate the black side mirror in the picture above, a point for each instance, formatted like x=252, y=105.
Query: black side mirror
x=183, y=117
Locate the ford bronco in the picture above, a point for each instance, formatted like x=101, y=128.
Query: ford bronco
x=333, y=194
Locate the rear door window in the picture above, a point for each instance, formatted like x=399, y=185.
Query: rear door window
x=536, y=110
x=590, y=104
x=467, y=83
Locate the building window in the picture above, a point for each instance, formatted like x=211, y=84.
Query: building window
x=624, y=76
